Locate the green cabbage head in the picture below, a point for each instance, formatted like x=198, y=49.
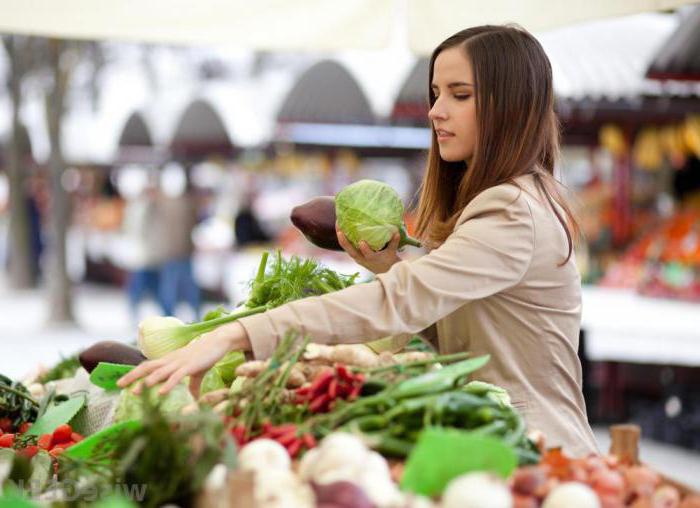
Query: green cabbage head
x=371, y=211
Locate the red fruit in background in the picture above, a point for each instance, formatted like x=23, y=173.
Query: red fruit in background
x=5, y=424
x=45, y=442
x=76, y=437
x=62, y=434
x=24, y=427
x=7, y=440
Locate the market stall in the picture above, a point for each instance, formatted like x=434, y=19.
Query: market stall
x=389, y=423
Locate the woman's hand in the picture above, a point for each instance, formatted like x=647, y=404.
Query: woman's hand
x=375, y=262
x=193, y=360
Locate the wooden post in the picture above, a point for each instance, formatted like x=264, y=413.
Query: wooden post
x=624, y=442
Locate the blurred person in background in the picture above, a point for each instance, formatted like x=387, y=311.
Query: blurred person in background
x=247, y=226
x=177, y=217
x=4, y=218
x=143, y=255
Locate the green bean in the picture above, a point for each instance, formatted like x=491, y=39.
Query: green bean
x=437, y=381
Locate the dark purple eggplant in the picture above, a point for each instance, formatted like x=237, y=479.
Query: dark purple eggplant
x=110, y=351
x=316, y=220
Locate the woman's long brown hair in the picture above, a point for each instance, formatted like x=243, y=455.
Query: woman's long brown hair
x=517, y=131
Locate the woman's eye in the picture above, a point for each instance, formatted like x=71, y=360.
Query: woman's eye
x=462, y=97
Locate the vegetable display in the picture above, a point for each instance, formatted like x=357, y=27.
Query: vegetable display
x=371, y=211
x=315, y=425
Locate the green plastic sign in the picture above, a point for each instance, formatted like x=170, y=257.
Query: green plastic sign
x=440, y=455
x=57, y=415
x=106, y=375
x=100, y=440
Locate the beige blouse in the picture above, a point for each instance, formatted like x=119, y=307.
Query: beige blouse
x=494, y=286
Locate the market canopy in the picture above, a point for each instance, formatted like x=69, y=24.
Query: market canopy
x=200, y=131
x=679, y=58
x=300, y=25
x=326, y=93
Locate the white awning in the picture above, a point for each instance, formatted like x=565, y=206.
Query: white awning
x=432, y=21
x=300, y=24
x=262, y=24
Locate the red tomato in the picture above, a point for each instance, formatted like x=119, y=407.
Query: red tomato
x=24, y=427
x=5, y=424
x=29, y=451
x=45, y=441
x=7, y=440
x=62, y=433
x=56, y=452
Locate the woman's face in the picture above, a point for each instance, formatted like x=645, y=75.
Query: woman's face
x=453, y=115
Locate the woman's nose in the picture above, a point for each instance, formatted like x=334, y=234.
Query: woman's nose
x=437, y=112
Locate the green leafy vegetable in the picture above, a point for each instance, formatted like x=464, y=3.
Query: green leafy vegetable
x=211, y=381
x=64, y=369
x=16, y=404
x=130, y=406
x=284, y=282
x=371, y=211
x=172, y=456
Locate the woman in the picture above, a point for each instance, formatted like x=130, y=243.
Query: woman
x=501, y=277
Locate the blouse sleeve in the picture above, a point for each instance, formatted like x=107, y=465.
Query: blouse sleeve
x=488, y=252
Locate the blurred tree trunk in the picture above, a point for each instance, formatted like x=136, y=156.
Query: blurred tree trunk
x=60, y=291
x=22, y=272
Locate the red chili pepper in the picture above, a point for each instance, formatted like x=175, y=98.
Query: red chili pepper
x=282, y=429
x=304, y=390
x=333, y=388
x=344, y=389
x=343, y=372
x=309, y=440
x=288, y=438
x=355, y=392
x=294, y=447
x=319, y=403
x=321, y=382
x=238, y=432
x=45, y=441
